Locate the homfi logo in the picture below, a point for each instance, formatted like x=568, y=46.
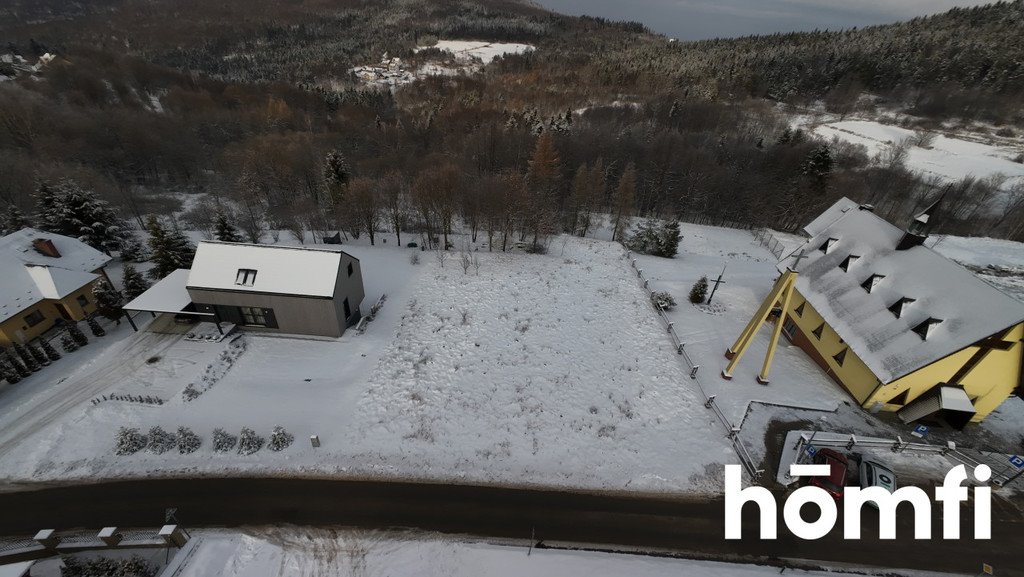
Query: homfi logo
x=951, y=493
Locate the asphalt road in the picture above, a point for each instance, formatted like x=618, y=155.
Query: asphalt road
x=675, y=525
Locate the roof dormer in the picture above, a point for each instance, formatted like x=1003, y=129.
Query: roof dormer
x=828, y=245
x=899, y=306
x=926, y=328
x=872, y=282
x=845, y=265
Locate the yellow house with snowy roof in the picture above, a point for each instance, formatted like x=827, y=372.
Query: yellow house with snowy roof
x=45, y=277
x=899, y=326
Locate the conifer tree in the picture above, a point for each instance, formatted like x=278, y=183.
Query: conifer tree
x=224, y=231
x=50, y=351
x=133, y=282
x=37, y=354
x=131, y=248
x=16, y=364
x=699, y=292
x=94, y=327
x=68, y=343
x=7, y=373
x=26, y=358
x=13, y=220
x=625, y=200
x=77, y=335
x=543, y=187
x=171, y=249
x=66, y=208
x=108, y=300
x=668, y=239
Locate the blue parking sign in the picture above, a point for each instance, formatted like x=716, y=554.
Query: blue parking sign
x=1017, y=461
x=811, y=450
x=920, y=431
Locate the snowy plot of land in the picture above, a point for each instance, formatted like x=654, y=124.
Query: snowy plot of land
x=485, y=51
x=302, y=552
x=947, y=157
x=546, y=370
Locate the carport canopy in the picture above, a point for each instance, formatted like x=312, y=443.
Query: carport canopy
x=167, y=296
x=944, y=403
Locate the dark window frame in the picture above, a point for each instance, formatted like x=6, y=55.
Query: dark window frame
x=245, y=277
x=30, y=318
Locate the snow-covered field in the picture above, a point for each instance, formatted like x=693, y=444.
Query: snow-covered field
x=485, y=51
x=331, y=553
x=948, y=157
x=544, y=370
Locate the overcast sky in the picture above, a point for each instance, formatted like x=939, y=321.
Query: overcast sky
x=698, y=19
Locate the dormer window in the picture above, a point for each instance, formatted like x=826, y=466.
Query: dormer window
x=828, y=245
x=872, y=281
x=245, y=277
x=845, y=265
x=927, y=328
x=898, y=306
x=840, y=357
x=800, y=309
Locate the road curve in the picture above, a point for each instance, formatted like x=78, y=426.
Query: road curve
x=685, y=526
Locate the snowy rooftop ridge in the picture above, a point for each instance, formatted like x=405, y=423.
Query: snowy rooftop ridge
x=305, y=271
x=969, y=309
x=28, y=276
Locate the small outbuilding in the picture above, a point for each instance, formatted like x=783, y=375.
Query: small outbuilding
x=298, y=290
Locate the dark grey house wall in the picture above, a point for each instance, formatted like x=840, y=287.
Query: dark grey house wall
x=350, y=287
x=292, y=314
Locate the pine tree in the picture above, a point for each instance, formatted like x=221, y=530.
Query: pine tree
x=7, y=373
x=171, y=249
x=15, y=363
x=544, y=188
x=50, y=351
x=625, y=200
x=94, y=327
x=38, y=354
x=108, y=300
x=68, y=343
x=26, y=357
x=66, y=208
x=224, y=231
x=699, y=292
x=77, y=335
x=131, y=248
x=13, y=221
x=134, y=283
x=668, y=239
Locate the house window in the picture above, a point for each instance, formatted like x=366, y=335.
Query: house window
x=800, y=309
x=245, y=277
x=82, y=301
x=350, y=269
x=871, y=282
x=34, y=318
x=845, y=265
x=840, y=356
x=348, y=309
x=897, y=307
x=926, y=328
x=253, y=316
x=817, y=332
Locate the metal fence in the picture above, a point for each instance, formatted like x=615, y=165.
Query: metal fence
x=768, y=240
x=746, y=459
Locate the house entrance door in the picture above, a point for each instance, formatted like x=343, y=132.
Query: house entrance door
x=63, y=311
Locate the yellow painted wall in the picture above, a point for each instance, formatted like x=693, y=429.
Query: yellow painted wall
x=854, y=375
x=991, y=382
x=9, y=328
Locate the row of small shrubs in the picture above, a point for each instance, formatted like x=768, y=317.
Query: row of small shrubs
x=159, y=441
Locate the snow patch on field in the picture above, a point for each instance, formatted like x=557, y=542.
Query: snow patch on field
x=485, y=51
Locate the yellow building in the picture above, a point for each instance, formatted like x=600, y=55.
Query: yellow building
x=898, y=325
x=45, y=277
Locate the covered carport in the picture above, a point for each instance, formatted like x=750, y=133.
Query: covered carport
x=944, y=405
x=169, y=296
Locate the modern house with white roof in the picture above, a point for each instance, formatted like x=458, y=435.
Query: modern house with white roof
x=298, y=290
x=899, y=326
x=45, y=277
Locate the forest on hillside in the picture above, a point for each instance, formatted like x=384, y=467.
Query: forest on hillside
x=251, y=103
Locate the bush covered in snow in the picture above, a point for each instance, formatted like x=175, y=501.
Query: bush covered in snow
x=129, y=441
x=68, y=344
x=249, y=442
x=223, y=441
x=134, y=566
x=699, y=292
x=188, y=442
x=160, y=441
x=280, y=439
x=663, y=299
x=654, y=239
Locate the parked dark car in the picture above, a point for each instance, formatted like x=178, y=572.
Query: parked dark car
x=838, y=465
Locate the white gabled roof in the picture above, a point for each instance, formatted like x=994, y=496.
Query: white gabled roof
x=28, y=277
x=969, y=308
x=832, y=214
x=300, y=271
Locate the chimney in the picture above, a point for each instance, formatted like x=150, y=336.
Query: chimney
x=45, y=247
x=919, y=228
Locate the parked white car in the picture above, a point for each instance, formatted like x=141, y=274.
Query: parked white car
x=876, y=474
